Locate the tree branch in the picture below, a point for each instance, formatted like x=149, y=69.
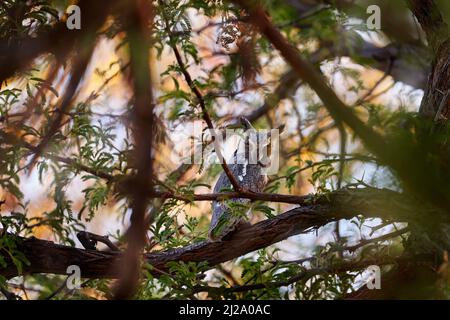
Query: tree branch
x=48, y=257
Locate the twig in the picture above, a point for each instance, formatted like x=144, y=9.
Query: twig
x=89, y=240
x=220, y=196
x=375, y=86
x=377, y=239
x=8, y=294
x=58, y=290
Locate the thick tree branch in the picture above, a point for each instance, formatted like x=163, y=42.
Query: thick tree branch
x=48, y=257
x=338, y=110
x=428, y=14
x=431, y=21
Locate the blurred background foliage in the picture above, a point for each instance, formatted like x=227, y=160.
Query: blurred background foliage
x=70, y=183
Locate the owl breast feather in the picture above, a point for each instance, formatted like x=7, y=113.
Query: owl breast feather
x=226, y=216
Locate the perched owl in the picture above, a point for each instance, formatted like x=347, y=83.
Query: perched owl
x=249, y=161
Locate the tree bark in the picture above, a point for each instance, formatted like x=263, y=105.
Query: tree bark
x=48, y=257
x=436, y=30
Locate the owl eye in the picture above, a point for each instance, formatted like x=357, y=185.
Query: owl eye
x=269, y=148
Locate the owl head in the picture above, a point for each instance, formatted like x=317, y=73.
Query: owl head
x=255, y=147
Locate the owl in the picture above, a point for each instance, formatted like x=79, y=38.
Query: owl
x=250, y=160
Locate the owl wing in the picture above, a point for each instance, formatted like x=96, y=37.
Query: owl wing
x=224, y=217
